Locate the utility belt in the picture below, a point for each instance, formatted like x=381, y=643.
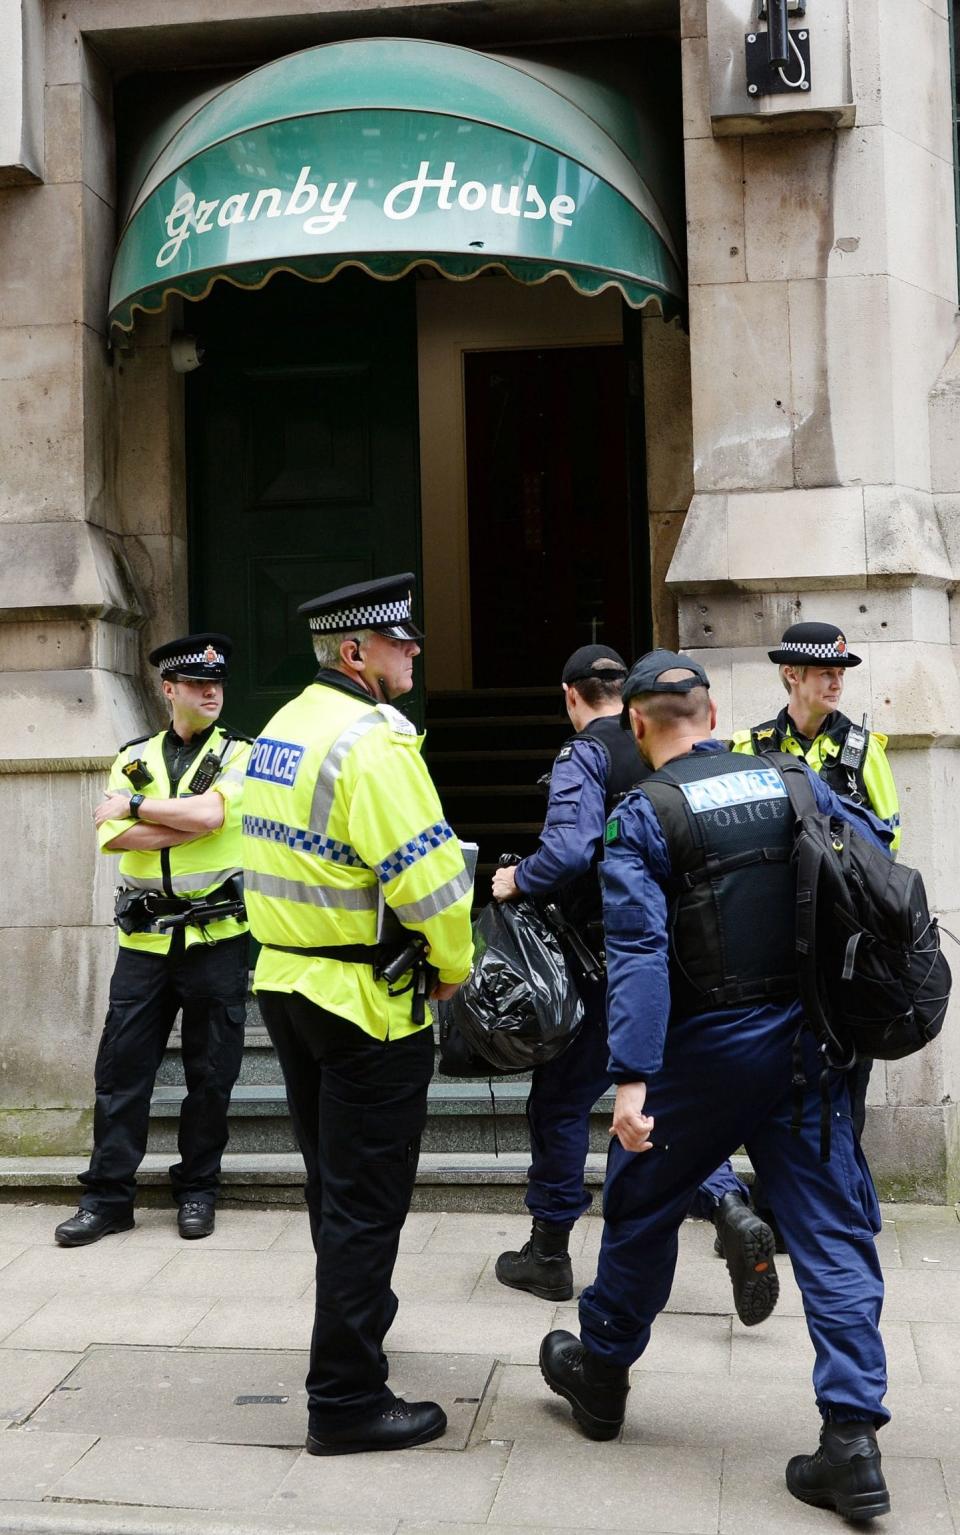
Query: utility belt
x=388, y=961
x=137, y=910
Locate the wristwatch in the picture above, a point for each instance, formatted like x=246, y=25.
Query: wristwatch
x=136, y=800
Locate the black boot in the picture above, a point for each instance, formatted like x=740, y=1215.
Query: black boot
x=397, y=1427
x=542, y=1266
x=747, y=1245
x=844, y=1474
x=596, y=1390
x=90, y=1225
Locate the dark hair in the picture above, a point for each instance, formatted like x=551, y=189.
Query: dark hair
x=594, y=691
x=675, y=708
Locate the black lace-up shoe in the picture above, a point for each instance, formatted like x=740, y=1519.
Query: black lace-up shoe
x=90, y=1225
x=749, y=1250
x=596, y=1390
x=843, y=1474
x=397, y=1427
x=542, y=1266
x=195, y=1218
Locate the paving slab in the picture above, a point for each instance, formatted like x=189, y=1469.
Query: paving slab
x=416, y=1276
x=488, y=1291
x=65, y=1517
x=520, y=1407
x=418, y=1228
x=918, y=1294
x=31, y=1463
x=236, y=1228
x=77, y=1321
x=176, y=1473
x=286, y=1323
x=782, y=1345
x=925, y=1420
x=266, y=1274
x=583, y=1486
x=755, y=1497
x=487, y=1234
x=15, y=1309
x=237, y=1397
x=27, y=1377
x=930, y=1246
x=924, y=1215
x=690, y=1344
x=511, y=1333
x=708, y=1412
x=417, y=1485
x=102, y=1269
x=33, y=1223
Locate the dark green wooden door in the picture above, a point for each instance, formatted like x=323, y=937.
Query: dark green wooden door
x=303, y=467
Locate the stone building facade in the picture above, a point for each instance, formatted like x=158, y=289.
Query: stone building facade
x=800, y=450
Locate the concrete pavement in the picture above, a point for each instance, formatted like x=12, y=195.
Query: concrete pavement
x=154, y=1387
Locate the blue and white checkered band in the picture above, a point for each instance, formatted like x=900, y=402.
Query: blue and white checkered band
x=369, y=617
x=829, y=652
x=208, y=657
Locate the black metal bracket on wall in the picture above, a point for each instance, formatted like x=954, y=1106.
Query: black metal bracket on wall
x=766, y=79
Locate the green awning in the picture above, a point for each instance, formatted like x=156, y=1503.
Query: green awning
x=386, y=153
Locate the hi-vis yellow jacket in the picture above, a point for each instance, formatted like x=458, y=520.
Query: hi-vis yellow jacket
x=339, y=806
x=873, y=780
x=192, y=868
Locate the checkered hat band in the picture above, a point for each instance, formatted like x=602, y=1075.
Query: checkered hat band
x=195, y=658
x=822, y=652
x=397, y=612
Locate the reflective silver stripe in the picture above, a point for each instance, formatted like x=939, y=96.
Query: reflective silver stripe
x=332, y=765
x=181, y=884
x=233, y=775
x=363, y=898
x=430, y=905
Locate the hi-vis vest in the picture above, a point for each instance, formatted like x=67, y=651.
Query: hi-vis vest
x=338, y=808
x=870, y=784
x=193, y=868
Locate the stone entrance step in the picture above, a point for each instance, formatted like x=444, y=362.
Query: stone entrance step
x=462, y=1117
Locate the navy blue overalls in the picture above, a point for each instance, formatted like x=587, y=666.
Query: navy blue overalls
x=716, y=1080
x=563, y=1092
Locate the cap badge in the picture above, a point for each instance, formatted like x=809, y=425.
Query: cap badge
x=841, y=645
x=210, y=656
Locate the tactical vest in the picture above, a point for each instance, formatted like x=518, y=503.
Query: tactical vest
x=581, y=900
x=729, y=834
x=846, y=779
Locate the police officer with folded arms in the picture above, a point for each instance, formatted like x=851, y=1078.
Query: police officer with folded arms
x=357, y=890
x=172, y=814
x=591, y=772
x=703, y=1012
x=813, y=659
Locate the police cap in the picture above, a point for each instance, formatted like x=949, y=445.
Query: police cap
x=193, y=658
x=385, y=605
x=814, y=645
x=645, y=677
x=583, y=665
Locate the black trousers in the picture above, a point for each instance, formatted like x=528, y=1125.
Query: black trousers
x=208, y=982
x=358, y=1107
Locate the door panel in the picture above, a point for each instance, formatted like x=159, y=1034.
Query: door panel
x=303, y=457
x=549, y=510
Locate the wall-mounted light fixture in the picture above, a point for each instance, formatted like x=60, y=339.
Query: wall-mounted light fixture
x=778, y=60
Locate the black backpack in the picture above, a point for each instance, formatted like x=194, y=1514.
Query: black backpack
x=873, y=981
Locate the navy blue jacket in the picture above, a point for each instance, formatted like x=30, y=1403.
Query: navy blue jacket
x=576, y=816
x=634, y=876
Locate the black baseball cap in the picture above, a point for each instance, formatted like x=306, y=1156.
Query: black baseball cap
x=645, y=675
x=583, y=665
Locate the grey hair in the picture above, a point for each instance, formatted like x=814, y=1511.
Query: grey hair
x=801, y=672
x=326, y=647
